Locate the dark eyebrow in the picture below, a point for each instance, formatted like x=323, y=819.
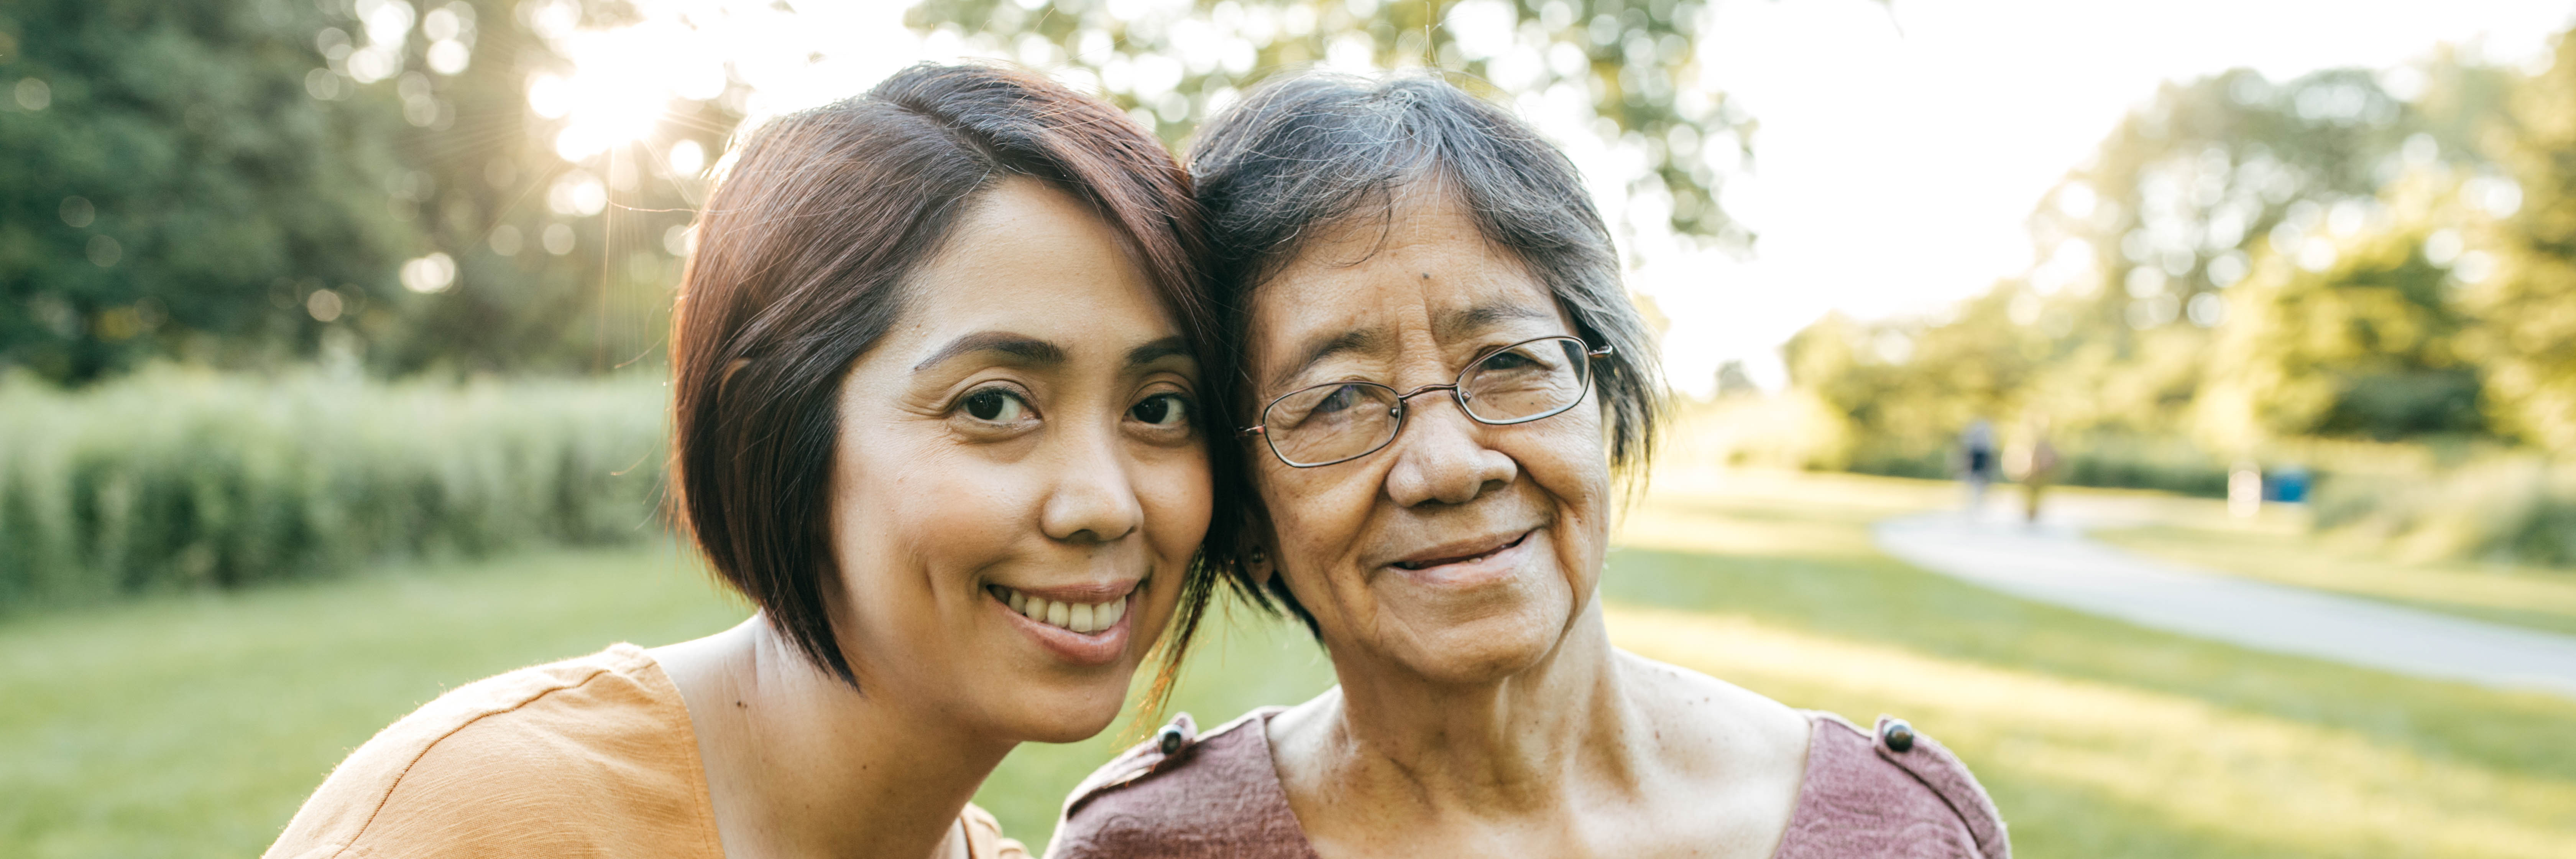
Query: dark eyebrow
x=1157, y=350
x=1320, y=348
x=1456, y=324
x=1028, y=350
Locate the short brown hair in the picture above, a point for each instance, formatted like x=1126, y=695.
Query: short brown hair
x=801, y=263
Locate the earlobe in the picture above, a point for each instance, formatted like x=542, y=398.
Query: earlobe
x=1257, y=565
x=1256, y=540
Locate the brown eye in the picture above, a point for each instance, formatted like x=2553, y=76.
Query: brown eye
x=1162, y=410
x=995, y=405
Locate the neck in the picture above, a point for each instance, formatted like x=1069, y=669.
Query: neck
x=800, y=764
x=1520, y=743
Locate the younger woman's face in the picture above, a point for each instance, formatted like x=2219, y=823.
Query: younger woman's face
x=1020, y=479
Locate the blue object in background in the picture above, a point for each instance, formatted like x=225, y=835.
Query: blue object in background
x=2287, y=486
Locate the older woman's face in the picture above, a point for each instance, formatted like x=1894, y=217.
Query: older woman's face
x=1462, y=552
x=1019, y=485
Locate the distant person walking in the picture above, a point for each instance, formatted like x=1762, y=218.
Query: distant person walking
x=1976, y=462
x=2039, y=471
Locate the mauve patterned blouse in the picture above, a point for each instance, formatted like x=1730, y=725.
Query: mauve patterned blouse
x=1219, y=795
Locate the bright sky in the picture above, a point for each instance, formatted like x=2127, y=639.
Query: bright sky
x=1900, y=146
x=1899, y=154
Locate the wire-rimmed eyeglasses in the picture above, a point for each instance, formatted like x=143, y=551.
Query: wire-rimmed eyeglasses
x=1338, y=422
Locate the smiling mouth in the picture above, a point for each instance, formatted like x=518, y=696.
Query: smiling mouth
x=1428, y=563
x=1085, y=618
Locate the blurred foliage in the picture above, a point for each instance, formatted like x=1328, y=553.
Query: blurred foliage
x=2513, y=509
x=2292, y=274
x=566, y=259
x=1173, y=63
x=2366, y=348
x=175, y=479
x=2350, y=255
x=254, y=182
x=2528, y=309
x=161, y=165
x=409, y=185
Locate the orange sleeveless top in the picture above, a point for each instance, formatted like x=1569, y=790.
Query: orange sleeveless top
x=590, y=756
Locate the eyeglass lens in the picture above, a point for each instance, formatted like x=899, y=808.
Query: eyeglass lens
x=1329, y=423
x=1525, y=381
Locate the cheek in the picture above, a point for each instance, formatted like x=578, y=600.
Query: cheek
x=903, y=510
x=1572, y=472
x=1318, y=523
x=1289, y=516
x=1177, y=495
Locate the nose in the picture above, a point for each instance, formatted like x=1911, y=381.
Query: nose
x=1442, y=458
x=1091, y=499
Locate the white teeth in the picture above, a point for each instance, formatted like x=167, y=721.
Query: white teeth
x=1077, y=617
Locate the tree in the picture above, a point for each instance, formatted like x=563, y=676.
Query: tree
x=2527, y=307
x=2242, y=260
x=1175, y=62
x=249, y=181
x=564, y=248
x=169, y=184
x=2367, y=348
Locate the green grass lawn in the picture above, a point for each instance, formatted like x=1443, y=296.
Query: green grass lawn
x=2277, y=546
x=193, y=727
x=2096, y=738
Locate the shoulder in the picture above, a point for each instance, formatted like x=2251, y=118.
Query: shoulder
x=587, y=754
x=1889, y=792
x=1707, y=720
x=1183, y=793
x=984, y=838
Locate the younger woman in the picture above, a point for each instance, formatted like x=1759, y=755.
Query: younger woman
x=935, y=405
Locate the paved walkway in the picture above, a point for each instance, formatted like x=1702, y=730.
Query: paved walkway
x=2054, y=563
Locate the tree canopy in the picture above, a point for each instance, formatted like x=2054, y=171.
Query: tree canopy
x=403, y=185
x=246, y=182
x=2354, y=254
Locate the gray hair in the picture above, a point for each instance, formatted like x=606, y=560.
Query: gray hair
x=1312, y=151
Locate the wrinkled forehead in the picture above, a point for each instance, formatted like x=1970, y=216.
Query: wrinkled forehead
x=1424, y=222
x=1415, y=204
x=1365, y=288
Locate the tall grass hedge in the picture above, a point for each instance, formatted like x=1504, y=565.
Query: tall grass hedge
x=2507, y=509
x=175, y=479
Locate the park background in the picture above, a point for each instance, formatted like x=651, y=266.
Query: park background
x=330, y=368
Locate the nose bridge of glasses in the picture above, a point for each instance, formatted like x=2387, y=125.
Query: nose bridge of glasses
x=1407, y=397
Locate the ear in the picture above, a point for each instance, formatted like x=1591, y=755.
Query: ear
x=1258, y=565
x=1259, y=556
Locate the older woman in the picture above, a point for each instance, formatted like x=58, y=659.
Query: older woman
x=1442, y=375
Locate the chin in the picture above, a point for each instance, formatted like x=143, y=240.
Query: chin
x=1066, y=716
x=1486, y=651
